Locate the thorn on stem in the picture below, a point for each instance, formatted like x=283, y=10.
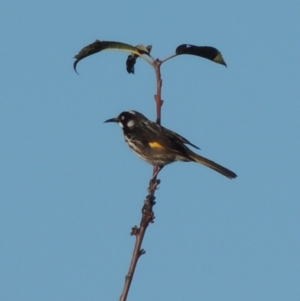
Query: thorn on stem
x=150, y=201
x=153, y=184
x=135, y=231
x=142, y=252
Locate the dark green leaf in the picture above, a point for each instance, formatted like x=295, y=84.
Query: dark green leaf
x=206, y=52
x=130, y=62
x=98, y=46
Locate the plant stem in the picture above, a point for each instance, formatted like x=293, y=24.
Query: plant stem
x=156, y=64
x=147, y=218
x=147, y=210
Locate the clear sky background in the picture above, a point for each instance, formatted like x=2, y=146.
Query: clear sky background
x=71, y=190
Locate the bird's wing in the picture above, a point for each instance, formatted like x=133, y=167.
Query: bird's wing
x=177, y=138
x=160, y=137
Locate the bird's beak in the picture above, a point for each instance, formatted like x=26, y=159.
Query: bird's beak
x=112, y=120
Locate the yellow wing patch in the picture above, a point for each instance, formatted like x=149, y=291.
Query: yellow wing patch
x=155, y=145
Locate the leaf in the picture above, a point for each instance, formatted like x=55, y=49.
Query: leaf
x=206, y=52
x=98, y=46
x=131, y=59
x=130, y=62
x=145, y=49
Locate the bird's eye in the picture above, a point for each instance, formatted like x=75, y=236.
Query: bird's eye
x=122, y=117
x=130, y=123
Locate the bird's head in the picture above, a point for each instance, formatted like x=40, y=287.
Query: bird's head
x=128, y=119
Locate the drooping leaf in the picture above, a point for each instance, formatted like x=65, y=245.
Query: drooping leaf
x=98, y=46
x=206, y=52
x=130, y=62
x=131, y=59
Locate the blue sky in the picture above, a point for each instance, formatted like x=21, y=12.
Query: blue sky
x=71, y=189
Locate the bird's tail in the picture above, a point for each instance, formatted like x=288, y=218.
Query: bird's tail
x=222, y=170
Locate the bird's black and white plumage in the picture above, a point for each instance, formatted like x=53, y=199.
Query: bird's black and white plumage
x=159, y=146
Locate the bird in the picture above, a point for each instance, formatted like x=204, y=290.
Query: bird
x=158, y=145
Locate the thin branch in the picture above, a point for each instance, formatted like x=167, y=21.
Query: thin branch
x=169, y=57
x=146, y=59
x=147, y=210
x=147, y=218
x=156, y=64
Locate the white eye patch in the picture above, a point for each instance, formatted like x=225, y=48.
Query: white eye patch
x=130, y=123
